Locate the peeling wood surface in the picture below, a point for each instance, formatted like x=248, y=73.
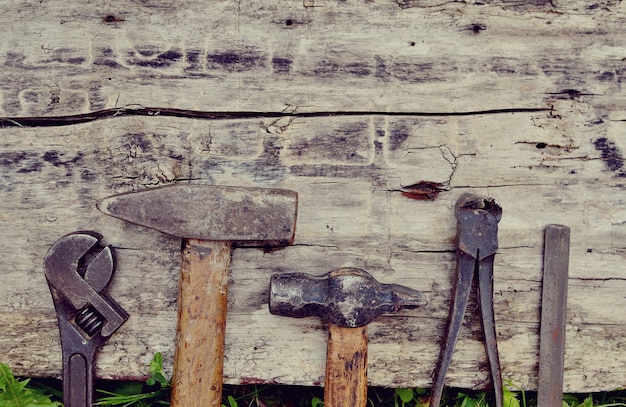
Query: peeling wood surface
x=382, y=102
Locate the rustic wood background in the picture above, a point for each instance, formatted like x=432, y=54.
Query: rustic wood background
x=348, y=103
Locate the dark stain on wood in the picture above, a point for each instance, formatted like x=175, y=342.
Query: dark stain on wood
x=398, y=135
x=112, y=19
x=382, y=72
x=255, y=381
x=418, y=72
x=14, y=59
x=22, y=161
x=236, y=61
x=25, y=163
x=157, y=59
x=511, y=66
x=338, y=67
x=106, y=57
x=476, y=28
x=571, y=94
x=281, y=65
x=137, y=143
x=357, y=361
x=88, y=175
x=611, y=155
x=346, y=142
x=66, y=56
x=335, y=171
x=192, y=59
x=54, y=158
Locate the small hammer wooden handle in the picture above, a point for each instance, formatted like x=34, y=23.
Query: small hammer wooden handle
x=346, y=367
x=200, y=334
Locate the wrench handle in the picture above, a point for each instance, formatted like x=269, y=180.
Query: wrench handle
x=78, y=366
x=78, y=381
x=200, y=335
x=346, y=367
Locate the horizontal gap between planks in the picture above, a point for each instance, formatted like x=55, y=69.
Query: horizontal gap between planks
x=53, y=121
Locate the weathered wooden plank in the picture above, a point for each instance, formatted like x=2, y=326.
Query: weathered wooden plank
x=565, y=166
x=405, y=55
x=551, y=167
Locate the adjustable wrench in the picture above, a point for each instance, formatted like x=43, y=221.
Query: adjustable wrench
x=78, y=269
x=477, y=243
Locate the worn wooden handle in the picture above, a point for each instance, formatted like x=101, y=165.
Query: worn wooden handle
x=346, y=367
x=202, y=305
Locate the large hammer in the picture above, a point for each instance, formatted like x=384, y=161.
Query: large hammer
x=347, y=299
x=209, y=219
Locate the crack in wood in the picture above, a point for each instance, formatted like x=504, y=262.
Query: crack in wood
x=66, y=120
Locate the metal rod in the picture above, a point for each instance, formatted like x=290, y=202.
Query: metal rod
x=553, y=314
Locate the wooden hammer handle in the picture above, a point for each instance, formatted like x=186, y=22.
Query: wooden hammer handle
x=200, y=335
x=346, y=367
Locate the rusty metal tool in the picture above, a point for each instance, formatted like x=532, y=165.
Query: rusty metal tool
x=477, y=243
x=347, y=299
x=553, y=316
x=209, y=219
x=78, y=269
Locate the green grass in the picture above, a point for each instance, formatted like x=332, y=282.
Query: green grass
x=15, y=392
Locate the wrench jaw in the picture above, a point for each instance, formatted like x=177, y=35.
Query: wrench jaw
x=78, y=269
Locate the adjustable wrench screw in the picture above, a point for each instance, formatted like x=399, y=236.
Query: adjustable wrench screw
x=89, y=320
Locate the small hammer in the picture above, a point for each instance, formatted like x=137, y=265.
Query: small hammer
x=347, y=299
x=209, y=219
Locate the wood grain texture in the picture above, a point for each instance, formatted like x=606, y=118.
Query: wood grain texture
x=310, y=55
x=345, y=382
x=201, y=327
x=462, y=74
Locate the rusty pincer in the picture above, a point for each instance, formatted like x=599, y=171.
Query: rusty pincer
x=477, y=243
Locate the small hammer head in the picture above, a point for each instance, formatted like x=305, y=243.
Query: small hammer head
x=346, y=297
x=252, y=216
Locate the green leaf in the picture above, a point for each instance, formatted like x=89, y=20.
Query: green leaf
x=406, y=394
x=317, y=402
x=232, y=402
x=588, y=402
x=156, y=365
x=569, y=400
x=118, y=399
x=129, y=388
x=16, y=393
x=156, y=372
x=509, y=398
x=465, y=400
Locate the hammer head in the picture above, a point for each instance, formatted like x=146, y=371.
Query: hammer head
x=347, y=297
x=251, y=216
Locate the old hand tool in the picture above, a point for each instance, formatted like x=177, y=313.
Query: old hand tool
x=553, y=314
x=477, y=243
x=78, y=269
x=209, y=219
x=347, y=299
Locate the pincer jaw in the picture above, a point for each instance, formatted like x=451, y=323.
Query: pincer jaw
x=473, y=202
x=477, y=225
